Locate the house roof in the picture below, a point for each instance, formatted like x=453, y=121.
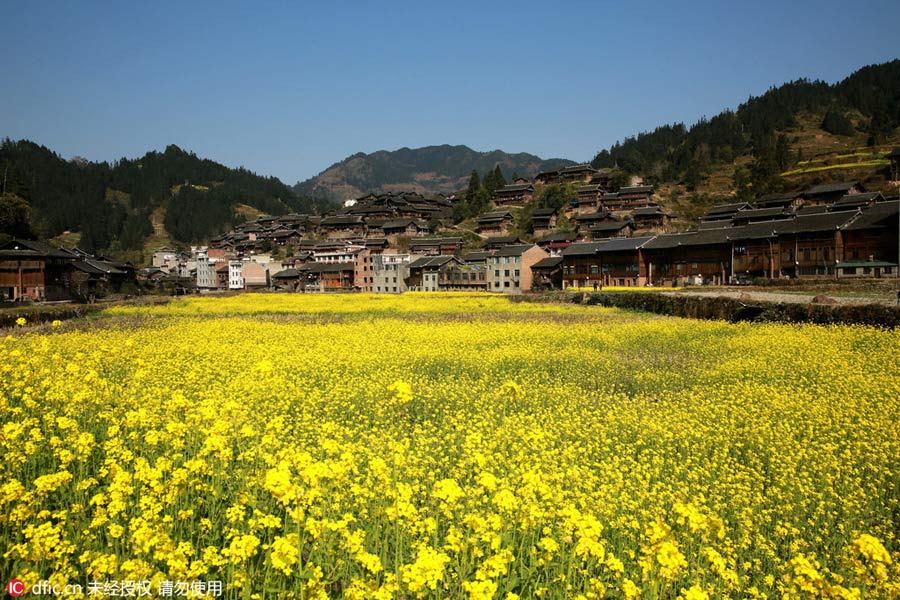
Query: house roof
x=495, y=215
x=760, y=213
x=611, y=226
x=725, y=209
x=636, y=189
x=858, y=199
x=883, y=214
x=544, y=212
x=583, y=248
x=830, y=188
x=589, y=188
x=33, y=248
x=515, y=187
x=558, y=237
x=780, y=199
x=286, y=274
x=428, y=262
x=594, y=216
x=342, y=220
x=549, y=262
x=578, y=169
x=436, y=241
x=329, y=267
x=625, y=244
x=649, y=211
x=852, y=264
x=514, y=250
x=502, y=240
x=477, y=256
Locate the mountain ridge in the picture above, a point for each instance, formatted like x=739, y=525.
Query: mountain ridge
x=435, y=169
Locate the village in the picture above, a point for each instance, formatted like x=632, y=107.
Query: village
x=398, y=242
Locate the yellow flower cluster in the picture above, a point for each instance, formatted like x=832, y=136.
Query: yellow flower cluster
x=452, y=446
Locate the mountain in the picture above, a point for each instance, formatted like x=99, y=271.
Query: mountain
x=430, y=170
x=767, y=135
x=117, y=206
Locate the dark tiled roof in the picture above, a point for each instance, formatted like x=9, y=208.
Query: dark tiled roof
x=610, y=226
x=329, y=267
x=830, y=188
x=477, y=256
x=436, y=241
x=590, y=188
x=547, y=263
x=583, y=248
x=595, y=216
x=812, y=210
x=287, y=274
x=883, y=214
x=636, y=189
x=558, y=237
x=760, y=213
x=625, y=244
x=544, y=212
x=779, y=199
x=649, y=211
x=17, y=247
x=831, y=221
x=578, y=168
x=858, y=199
x=725, y=209
x=515, y=250
x=342, y=220
x=496, y=215
x=516, y=187
x=431, y=261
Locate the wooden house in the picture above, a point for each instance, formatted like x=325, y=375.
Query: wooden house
x=543, y=220
x=695, y=257
x=516, y=194
x=547, y=273
x=629, y=198
x=581, y=264
x=588, y=199
x=343, y=226
x=554, y=243
x=497, y=222
x=651, y=218
x=828, y=193
x=606, y=229
x=436, y=246
x=32, y=270
x=623, y=262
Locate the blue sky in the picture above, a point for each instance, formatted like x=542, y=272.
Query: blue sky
x=287, y=89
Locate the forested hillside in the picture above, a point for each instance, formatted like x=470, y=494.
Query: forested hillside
x=868, y=101
x=111, y=204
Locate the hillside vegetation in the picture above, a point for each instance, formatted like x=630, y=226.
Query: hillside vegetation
x=119, y=206
x=430, y=170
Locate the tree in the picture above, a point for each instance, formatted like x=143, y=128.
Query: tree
x=743, y=184
x=15, y=216
x=837, y=123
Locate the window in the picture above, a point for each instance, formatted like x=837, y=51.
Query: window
x=505, y=284
x=506, y=273
x=516, y=272
x=594, y=269
x=496, y=272
x=496, y=284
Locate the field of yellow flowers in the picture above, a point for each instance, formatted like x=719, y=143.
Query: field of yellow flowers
x=450, y=446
